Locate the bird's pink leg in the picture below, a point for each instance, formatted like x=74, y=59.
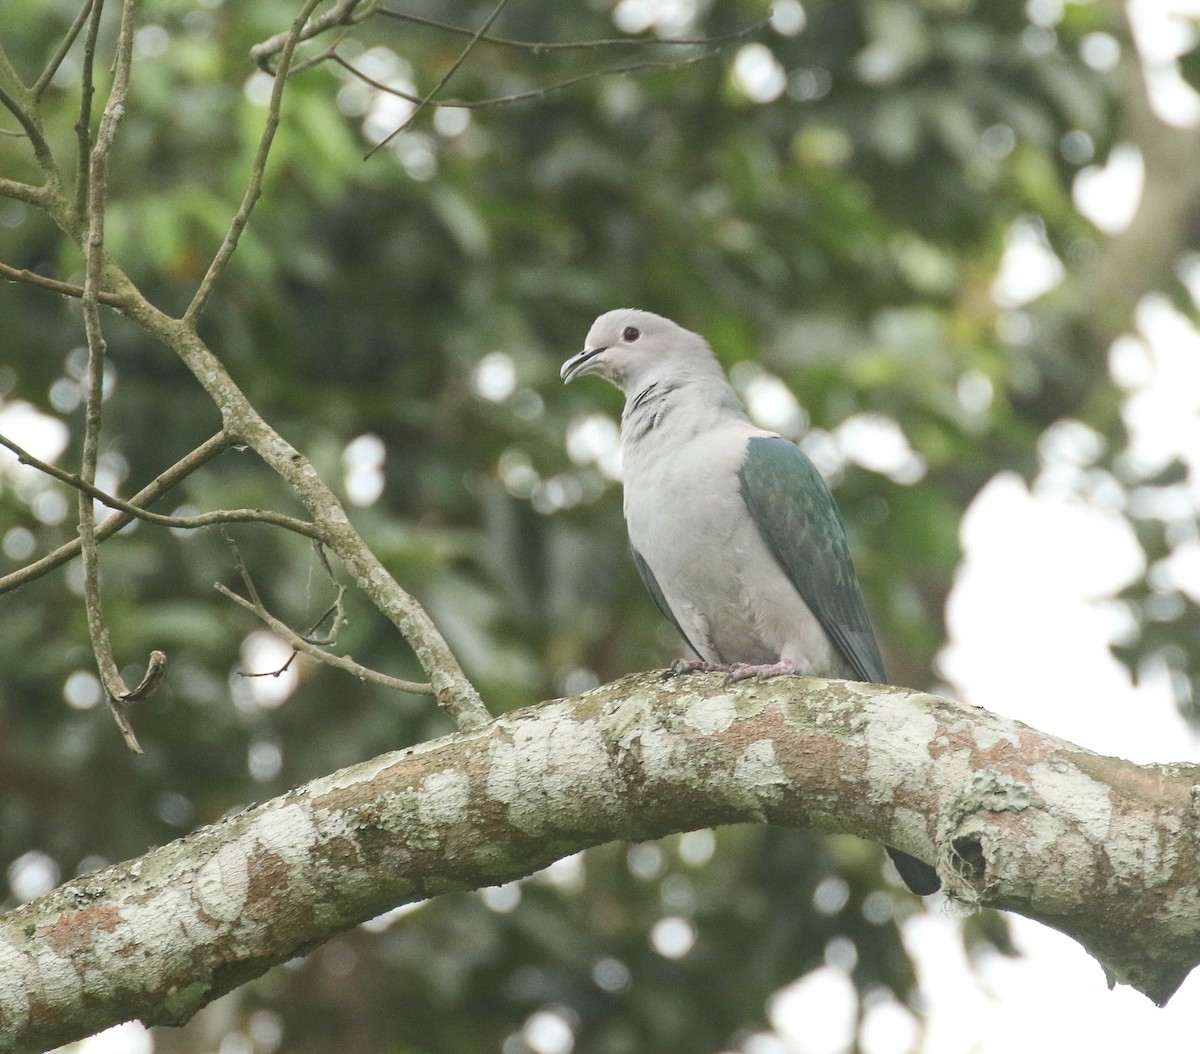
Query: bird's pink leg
x=743, y=671
x=681, y=666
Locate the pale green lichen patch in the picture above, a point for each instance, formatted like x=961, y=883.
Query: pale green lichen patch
x=402, y=811
x=181, y=1003
x=363, y=772
x=909, y=828
x=1087, y=801
x=966, y=848
x=633, y=712
x=547, y=761
x=990, y=791
x=443, y=797
x=1151, y=852
x=288, y=832
x=897, y=740
x=759, y=777
x=988, y=736
x=1183, y=909
x=15, y=968
x=662, y=755
x=711, y=714
x=223, y=883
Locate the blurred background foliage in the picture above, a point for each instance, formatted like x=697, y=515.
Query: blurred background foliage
x=829, y=200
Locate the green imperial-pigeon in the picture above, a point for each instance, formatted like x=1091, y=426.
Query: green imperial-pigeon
x=733, y=530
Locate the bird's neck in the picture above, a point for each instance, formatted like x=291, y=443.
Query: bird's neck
x=678, y=407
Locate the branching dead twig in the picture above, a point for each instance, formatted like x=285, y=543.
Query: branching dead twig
x=343, y=13
x=257, y=169
x=83, y=125
x=183, y=468
x=540, y=46
x=38, y=197
x=241, y=422
x=117, y=692
x=33, y=131
x=204, y=519
x=714, y=46
x=452, y=689
x=17, y=274
x=532, y=93
x=304, y=642
x=442, y=81
x=56, y=60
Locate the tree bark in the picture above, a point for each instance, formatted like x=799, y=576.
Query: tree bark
x=1102, y=849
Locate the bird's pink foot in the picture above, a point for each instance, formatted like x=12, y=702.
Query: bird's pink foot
x=743, y=671
x=681, y=666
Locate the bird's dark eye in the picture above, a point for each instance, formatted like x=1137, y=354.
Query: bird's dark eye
x=631, y=333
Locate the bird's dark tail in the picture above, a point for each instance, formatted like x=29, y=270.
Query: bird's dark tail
x=918, y=875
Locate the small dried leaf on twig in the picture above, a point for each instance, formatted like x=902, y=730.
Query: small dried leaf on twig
x=156, y=670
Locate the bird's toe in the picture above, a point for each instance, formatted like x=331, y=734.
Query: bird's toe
x=760, y=671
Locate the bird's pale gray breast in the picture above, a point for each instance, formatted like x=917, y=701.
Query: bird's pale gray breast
x=688, y=521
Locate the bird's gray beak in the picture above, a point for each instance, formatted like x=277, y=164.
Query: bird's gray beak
x=578, y=365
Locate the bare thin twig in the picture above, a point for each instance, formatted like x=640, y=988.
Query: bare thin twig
x=83, y=124
x=31, y=128
x=533, y=93
x=257, y=170
x=117, y=692
x=16, y=274
x=43, y=82
x=454, y=67
x=302, y=643
x=205, y=519
x=538, y=46
x=343, y=13
x=178, y=472
x=39, y=197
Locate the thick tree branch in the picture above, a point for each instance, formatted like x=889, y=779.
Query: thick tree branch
x=1102, y=849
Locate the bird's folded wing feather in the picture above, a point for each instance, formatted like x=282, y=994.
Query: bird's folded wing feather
x=656, y=592
x=798, y=520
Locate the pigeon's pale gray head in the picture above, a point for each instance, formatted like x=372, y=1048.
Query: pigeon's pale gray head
x=629, y=348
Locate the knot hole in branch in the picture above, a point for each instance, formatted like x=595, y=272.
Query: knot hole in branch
x=968, y=860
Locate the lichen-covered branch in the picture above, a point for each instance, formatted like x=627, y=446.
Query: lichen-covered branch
x=1104, y=850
